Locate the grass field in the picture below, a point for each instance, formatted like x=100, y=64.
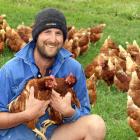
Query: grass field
x=122, y=18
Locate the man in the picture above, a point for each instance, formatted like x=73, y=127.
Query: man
x=41, y=57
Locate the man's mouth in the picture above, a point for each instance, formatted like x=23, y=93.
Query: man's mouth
x=51, y=46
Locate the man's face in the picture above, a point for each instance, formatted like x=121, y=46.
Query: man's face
x=49, y=42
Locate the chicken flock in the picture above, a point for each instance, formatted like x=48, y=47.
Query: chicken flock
x=121, y=67
x=15, y=39
x=114, y=64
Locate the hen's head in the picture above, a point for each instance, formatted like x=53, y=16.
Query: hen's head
x=70, y=80
x=50, y=82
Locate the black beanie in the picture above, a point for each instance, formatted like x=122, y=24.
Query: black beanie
x=49, y=18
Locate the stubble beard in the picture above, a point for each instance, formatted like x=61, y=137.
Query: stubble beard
x=41, y=49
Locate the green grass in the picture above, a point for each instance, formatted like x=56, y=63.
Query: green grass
x=122, y=18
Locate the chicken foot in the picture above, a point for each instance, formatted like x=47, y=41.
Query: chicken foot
x=46, y=124
x=39, y=133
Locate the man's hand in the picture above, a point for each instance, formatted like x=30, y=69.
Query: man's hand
x=35, y=108
x=62, y=104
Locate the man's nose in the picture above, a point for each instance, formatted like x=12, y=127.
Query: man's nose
x=53, y=37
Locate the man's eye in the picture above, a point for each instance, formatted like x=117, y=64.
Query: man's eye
x=59, y=33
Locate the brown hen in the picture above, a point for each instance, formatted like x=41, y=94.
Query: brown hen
x=96, y=32
x=2, y=39
x=13, y=40
x=133, y=103
x=25, y=32
x=122, y=80
x=91, y=86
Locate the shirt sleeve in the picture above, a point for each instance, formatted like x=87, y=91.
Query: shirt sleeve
x=82, y=94
x=4, y=90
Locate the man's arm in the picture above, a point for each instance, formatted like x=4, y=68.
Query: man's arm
x=8, y=120
x=34, y=109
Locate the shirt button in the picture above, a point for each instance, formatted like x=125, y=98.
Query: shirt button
x=39, y=76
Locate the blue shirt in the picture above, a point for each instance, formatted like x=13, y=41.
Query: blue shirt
x=16, y=72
